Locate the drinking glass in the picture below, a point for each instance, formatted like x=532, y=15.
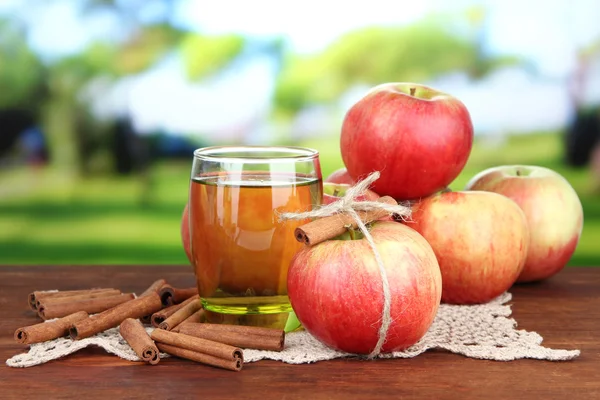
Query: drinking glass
x=240, y=249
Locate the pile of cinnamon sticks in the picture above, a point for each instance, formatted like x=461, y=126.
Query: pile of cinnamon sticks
x=176, y=314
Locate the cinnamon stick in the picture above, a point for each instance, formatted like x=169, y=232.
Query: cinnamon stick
x=199, y=350
x=155, y=287
x=112, y=317
x=136, y=336
x=196, y=317
x=171, y=295
x=48, y=330
x=165, y=313
x=35, y=297
x=326, y=228
x=180, y=315
x=243, y=329
x=77, y=297
x=91, y=306
x=248, y=337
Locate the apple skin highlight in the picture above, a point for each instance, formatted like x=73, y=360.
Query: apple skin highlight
x=335, y=288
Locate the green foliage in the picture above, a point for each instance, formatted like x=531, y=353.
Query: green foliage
x=145, y=48
x=46, y=219
x=74, y=135
x=68, y=75
x=373, y=55
x=205, y=55
x=21, y=71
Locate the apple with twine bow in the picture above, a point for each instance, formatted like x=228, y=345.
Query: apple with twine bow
x=336, y=289
x=369, y=290
x=417, y=137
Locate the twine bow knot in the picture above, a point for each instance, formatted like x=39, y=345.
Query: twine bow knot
x=349, y=205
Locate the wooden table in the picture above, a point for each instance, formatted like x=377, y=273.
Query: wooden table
x=565, y=310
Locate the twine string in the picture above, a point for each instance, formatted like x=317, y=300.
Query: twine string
x=348, y=204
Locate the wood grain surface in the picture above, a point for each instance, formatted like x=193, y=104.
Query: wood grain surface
x=565, y=310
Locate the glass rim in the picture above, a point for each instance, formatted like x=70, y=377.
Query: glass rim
x=228, y=154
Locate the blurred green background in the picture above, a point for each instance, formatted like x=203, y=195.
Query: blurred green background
x=102, y=103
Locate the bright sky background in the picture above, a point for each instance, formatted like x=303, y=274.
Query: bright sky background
x=309, y=24
x=547, y=32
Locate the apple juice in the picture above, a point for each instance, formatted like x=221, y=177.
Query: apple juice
x=240, y=249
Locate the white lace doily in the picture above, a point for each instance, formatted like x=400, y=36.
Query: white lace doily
x=482, y=331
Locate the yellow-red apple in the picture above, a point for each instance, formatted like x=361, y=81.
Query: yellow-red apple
x=480, y=240
x=553, y=210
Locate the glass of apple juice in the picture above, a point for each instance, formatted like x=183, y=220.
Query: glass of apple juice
x=240, y=249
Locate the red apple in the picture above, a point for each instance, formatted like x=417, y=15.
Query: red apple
x=335, y=288
x=334, y=191
x=340, y=176
x=480, y=240
x=417, y=137
x=553, y=212
x=185, y=232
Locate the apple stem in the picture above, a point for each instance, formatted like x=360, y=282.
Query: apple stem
x=518, y=172
x=352, y=234
x=336, y=191
x=412, y=91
